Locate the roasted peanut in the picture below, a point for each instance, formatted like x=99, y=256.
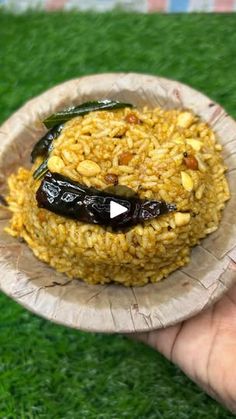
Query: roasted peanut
x=88, y=168
x=111, y=178
x=125, y=158
x=199, y=192
x=55, y=164
x=191, y=162
x=195, y=144
x=187, y=181
x=132, y=119
x=201, y=164
x=42, y=216
x=185, y=119
x=182, y=218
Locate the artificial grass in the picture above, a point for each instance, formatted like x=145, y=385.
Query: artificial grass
x=46, y=370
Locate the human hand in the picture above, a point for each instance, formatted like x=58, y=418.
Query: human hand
x=204, y=347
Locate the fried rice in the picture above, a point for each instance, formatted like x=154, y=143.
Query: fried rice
x=168, y=155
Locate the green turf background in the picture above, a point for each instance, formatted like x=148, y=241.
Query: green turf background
x=46, y=370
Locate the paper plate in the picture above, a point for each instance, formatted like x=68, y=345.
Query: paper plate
x=114, y=308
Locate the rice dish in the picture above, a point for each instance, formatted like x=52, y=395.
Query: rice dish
x=168, y=155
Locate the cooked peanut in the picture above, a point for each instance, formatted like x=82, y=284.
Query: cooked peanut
x=199, y=191
x=201, y=164
x=132, y=119
x=185, y=119
x=42, y=216
x=191, y=162
x=181, y=218
x=55, y=164
x=187, y=181
x=195, y=144
x=178, y=140
x=88, y=168
x=125, y=158
x=111, y=178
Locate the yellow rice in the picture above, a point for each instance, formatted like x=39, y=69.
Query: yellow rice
x=157, y=170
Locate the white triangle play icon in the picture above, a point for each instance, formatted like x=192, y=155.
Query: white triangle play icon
x=116, y=209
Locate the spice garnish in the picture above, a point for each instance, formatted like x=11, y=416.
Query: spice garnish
x=65, y=197
x=41, y=170
x=41, y=148
x=72, y=112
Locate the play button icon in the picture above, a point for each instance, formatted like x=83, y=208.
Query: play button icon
x=116, y=209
